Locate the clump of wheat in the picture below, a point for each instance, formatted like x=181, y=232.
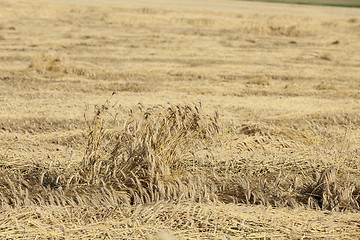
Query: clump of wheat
x=48, y=61
x=149, y=153
x=54, y=62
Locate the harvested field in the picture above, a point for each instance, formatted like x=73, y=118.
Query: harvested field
x=179, y=120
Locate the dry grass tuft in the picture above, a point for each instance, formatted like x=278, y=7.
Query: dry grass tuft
x=55, y=63
x=49, y=62
x=149, y=153
x=259, y=80
x=328, y=192
x=325, y=86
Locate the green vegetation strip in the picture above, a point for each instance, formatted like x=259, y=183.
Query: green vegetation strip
x=345, y=3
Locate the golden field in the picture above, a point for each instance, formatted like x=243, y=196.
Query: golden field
x=179, y=120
